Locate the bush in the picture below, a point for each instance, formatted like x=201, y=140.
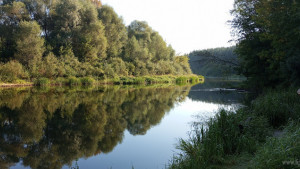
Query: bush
x=139, y=80
x=60, y=81
x=73, y=81
x=182, y=80
x=88, y=81
x=11, y=71
x=42, y=82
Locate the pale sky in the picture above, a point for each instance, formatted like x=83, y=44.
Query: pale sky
x=185, y=24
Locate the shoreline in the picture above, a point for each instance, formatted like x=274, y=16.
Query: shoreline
x=89, y=81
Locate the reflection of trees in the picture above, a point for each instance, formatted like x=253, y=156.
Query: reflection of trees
x=49, y=128
x=213, y=92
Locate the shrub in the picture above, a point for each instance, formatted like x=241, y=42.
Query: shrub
x=87, y=81
x=42, y=82
x=73, y=81
x=60, y=81
x=11, y=71
x=139, y=80
x=182, y=79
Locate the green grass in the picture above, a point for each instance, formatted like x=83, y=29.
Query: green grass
x=158, y=79
x=248, y=131
x=278, y=152
x=223, y=137
x=278, y=106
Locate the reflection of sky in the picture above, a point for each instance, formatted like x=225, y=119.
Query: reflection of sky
x=153, y=150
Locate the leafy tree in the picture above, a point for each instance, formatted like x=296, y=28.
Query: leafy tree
x=11, y=14
x=89, y=43
x=115, y=30
x=12, y=71
x=268, y=39
x=29, y=43
x=41, y=11
x=65, y=20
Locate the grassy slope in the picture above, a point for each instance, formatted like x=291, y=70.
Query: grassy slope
x=245, y=139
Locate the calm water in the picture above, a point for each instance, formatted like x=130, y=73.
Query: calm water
x=104, y=127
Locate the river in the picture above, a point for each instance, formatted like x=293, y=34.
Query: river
x=104, y=127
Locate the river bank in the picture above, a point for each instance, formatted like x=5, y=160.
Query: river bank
x=86, y=81
x=264, y=134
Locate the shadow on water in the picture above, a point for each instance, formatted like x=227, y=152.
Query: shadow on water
x=52, y=127
x=220, y=92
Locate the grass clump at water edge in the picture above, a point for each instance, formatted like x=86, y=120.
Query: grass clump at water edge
x=42, y=81
x=248, y=131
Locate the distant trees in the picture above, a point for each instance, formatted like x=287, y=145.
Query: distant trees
x=216, y=62
x=80, y=38
x=268, y=41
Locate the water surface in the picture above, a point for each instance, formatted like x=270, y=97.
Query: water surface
x=103, y=127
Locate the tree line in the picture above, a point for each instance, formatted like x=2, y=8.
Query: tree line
x=215, y=62
x=268, y=41
x=64, y=38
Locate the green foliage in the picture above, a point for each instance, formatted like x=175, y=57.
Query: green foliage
x=115, y=30
x=268, y=43
x=73, y=81
x=29, y=44
x=278, y=106
x=12, y=71
x=283, y=152
x=11, y=15
x=222, y=136
x=82, y=38
x=52, y=67
x=182, y=79
x=42, y=81
x=87, y=81
x=60, y=81
x=216, y=62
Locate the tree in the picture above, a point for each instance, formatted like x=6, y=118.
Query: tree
x=65, y=20
x=115, y=30
x=268, y=37
x=11, y=14
x=29, y=43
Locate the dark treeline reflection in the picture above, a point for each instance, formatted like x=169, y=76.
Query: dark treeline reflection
x=49, y=128
x=219, y=92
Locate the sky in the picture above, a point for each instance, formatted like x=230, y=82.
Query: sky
x=187, y=25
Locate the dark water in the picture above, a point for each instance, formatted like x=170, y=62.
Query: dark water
x=104, y=127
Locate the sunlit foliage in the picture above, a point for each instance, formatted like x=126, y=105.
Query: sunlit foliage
x=63, y=38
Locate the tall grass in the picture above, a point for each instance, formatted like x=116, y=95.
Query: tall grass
x=278, y=106
x=246, y=131
x=282, y=152
x=222, y=137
